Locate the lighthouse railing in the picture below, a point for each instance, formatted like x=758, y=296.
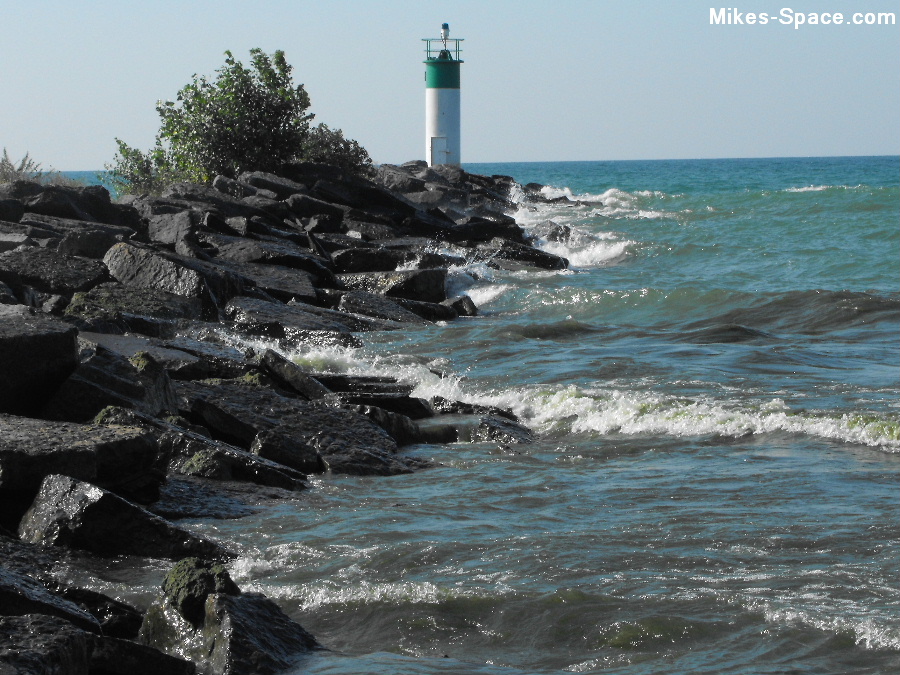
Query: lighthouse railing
x=435, y=48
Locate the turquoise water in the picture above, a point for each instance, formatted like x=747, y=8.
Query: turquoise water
x=715, y=489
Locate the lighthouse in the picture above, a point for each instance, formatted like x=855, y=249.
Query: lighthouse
x=442, y=98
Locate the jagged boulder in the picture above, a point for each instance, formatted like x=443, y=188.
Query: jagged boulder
x=422, y=285
x=534, y=257
x=201, y=614
x=282, y=283
x=114, y=308
x=282, y=187
x=49, y=271
x=20, y=594
x=502, y=430
x=292, y=377
x=143, y=267
x=123, y=459
x=37, y=354
x=378, y=306
x=292, y=432
x=289, y=324
x=37, y=643
x=76, y=514
x=105, y=377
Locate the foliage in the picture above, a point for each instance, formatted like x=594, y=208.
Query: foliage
x=328, y=146
x=28, y=169
x=246, y=119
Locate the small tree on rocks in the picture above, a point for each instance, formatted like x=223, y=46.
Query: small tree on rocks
x=247, y=119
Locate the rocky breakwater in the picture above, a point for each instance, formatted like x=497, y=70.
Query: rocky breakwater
x=130, y=396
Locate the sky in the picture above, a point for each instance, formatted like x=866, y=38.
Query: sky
x=542, y=81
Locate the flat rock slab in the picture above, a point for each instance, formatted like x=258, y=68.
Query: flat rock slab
x=178, y=363
x=240, y=249
x=288, y=324
x=114, y=306
x=50, y=271
x=293, y=432
x=425, y=285
x=73, y=513
x=378, y=306
x=36, y=355
x=282, y=283
x=31, y=449
x=37, y=643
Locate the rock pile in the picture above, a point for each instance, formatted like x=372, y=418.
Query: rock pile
x=125, y=404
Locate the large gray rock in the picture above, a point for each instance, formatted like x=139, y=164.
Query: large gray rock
x=292, y=377
x=423, y=285
x=242, y=250
x=72, y=513
x=370, y=304
x=177, y=363
x=36, y=644
x=169, y=228
x=36, y=355
x=282, y=283
x=211, y=198
x=370, y=259
x=288, y=324
x=293, y=432
x=304, y=206
x=112, y=307
x=140, y=267
x=282, y=187
x=507, y=250
x=120, y=458
x=49, y=271
x=105, y=378
x=20, y=594
x=202, y=615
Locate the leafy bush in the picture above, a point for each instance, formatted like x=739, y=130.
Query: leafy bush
x=247, y=119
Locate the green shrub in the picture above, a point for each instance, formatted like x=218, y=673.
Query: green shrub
x=246, y=119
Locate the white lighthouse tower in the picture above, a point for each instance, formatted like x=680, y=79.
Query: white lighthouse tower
x=442, y=98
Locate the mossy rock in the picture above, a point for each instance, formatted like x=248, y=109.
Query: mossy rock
x=191, y=581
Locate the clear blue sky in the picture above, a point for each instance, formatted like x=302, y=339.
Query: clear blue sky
x=563, y=80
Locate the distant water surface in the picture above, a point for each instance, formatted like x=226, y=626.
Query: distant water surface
x=715, y=381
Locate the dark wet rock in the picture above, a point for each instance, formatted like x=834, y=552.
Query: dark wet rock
x=551, y=231
x=105, y=378
x=268, y=203
x=304, y=206
x=226, y=205
x=140, y=267
x=37, y=354
x=369, y=260
x=463, y=305
x=244, y=250
x=347, y=442
x=408, y=406
x=202, y=615
x=362, y=194
x=508, y=250
x=7, y=297
x=395, y=178
x=76, y=237
x=399, y=427
x=18, y=189
x=282, y=187
x=220, y=360
x=35, y=644
x=232, y=187
x=50, y=271
x=292, y=377
x=119, y=458
x=324, y=224
x=430, y=311
x=113, y=656
x=371, y=304
x=446, y=406
x=72, y=513
x=11, y=210
x=20, y=595
x=117, y=619
x=502, y=430
x=112, y=307
x=423, y=285
x=288, y=324
x=179, y=364
x=363, y=384
x=13, y=240
x=169, y=228
x=482, y=229
x=194, y=455
x=282, y=283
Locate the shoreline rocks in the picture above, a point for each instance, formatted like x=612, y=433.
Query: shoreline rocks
x=143, y=375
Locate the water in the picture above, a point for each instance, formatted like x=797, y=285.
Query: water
x=715, y=489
